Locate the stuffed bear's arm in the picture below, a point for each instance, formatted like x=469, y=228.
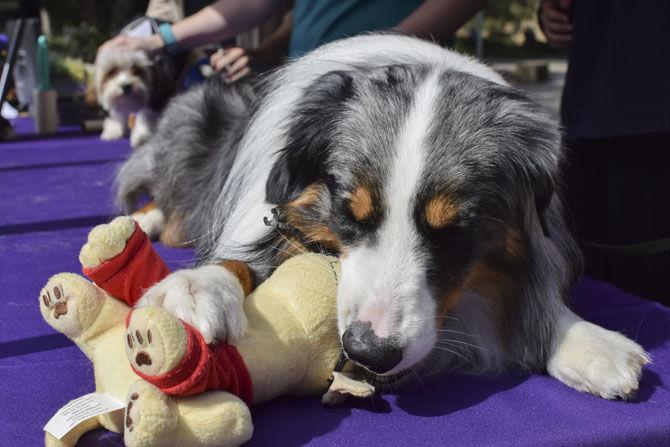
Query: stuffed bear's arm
x=133, y=270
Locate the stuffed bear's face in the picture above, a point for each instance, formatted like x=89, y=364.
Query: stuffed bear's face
x=155, y=343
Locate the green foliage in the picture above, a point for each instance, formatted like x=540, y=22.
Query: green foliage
x=504, y=18
x=80, y=26
x=79, y=41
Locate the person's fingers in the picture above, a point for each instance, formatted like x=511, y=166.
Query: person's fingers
x=231, y=55
x=239, y=75
x=218, y=64
x=558, y=28
x=558, y=40
x=549, y=12
x=239, y=64
x=216, y=57
x=565, y=4
x=226, y=60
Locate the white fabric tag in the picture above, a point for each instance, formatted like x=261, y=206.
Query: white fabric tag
x=79, y=410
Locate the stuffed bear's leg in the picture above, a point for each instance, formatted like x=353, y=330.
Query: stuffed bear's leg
x=213, y=418
x=174, y=356
x=71, y=438
x=120, y=259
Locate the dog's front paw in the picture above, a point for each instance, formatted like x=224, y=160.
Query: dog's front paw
x=106, y=241
x=139, y=135
x=208, y=298
x=598, y=361
x=112, y=130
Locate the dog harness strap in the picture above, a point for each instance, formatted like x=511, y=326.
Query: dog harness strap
x=205, y=368
x=127, y=275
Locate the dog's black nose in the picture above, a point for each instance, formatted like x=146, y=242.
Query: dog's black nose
x=362, y=346
x=126, y=88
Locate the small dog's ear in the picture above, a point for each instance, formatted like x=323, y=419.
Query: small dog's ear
x=90, y=96
x=303, y=160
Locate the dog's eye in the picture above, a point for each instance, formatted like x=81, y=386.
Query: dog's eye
x=112, y=72
x=137, y=71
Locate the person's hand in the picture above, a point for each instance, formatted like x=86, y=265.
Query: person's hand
x=151, y=44
x=232, y=63
x=555, y=22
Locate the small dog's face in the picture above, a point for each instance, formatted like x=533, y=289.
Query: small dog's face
x=122, y=81
x=421, y=180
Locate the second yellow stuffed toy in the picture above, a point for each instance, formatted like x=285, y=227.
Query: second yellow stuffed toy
x=291, y=347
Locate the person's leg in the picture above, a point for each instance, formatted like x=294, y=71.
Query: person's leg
x=616, y=189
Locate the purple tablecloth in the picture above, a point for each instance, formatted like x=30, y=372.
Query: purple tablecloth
x=52, y=191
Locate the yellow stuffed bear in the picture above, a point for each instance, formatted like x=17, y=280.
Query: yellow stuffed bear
x=291, y=346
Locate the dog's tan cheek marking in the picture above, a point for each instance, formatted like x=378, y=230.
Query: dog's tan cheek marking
x=440, y=212
x=242, y=272
x=447, y=302
x=361, y=204
x=324, y=236
x=498, y=289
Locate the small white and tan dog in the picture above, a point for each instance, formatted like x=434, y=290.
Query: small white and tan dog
x=128, y=83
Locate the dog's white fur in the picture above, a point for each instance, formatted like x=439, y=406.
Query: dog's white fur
x=119, y=104
x=584, y=356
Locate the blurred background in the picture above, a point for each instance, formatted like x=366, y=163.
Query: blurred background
x=506, y=33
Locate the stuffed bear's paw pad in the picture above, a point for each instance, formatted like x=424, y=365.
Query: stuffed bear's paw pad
x=68, y=303
x=156, y=341
x=150, y=418
x=598, y=361
x=106, y=241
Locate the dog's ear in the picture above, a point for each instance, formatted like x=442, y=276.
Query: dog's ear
x=545, y=188
x=90, y=96
x=303, y=160
x=537, y=149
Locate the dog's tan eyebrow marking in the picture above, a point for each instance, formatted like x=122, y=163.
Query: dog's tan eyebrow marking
x=440, y=211
x=361, y=204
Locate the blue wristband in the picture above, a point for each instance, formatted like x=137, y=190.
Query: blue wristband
x=171, y=45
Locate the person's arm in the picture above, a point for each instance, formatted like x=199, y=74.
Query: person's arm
x=440, y=19
x=238, y=62
x=218, y=21
x=555, y=22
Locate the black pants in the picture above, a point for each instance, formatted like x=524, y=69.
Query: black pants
x=618, y=194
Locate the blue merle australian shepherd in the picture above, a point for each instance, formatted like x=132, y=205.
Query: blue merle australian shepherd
x=434, y=181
